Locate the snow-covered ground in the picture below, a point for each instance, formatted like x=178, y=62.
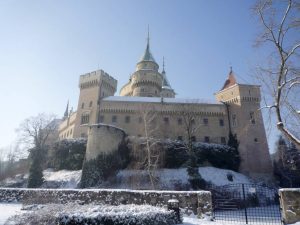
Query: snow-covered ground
x=173, y=178
x=170, y=179
x=7, y=210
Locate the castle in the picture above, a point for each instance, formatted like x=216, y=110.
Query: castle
x=148, y=90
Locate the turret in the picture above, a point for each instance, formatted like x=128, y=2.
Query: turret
x=166, y=89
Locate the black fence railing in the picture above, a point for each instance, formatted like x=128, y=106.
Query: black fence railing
x=246, y=203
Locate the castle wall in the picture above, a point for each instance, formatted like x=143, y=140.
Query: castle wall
x=103, y=139
x=163, y=119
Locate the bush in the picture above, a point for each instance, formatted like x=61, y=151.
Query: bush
x=67, y=214
x=121, y=215
x=220, y=156
x=68, y=154
x=98, y=170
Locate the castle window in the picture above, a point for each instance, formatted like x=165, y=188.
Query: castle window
x=140, y=119
x=127, y=119
x=179, y=121
x=71, y=132
x=206, y=139
x=255, y=140
x=205, y=122
x=234, y=122
x=85, y=118
x=82, y=135
x=223, y=140
x=166, y=120
x=252, y=118
x=91, y=103
x=179, y=138
x=142, y=90
x=82, y=105
x=101, y=118
x=221, y=122
x=193, y=138
x=192, y=121
x=114, y=119
x=249, y=92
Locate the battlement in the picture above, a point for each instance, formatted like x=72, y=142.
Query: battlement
x=93, y=79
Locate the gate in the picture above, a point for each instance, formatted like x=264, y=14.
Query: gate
x=246, y=203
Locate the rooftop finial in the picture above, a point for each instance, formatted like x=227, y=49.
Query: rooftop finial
x=148, y=37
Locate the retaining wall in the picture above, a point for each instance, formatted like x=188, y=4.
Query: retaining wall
x=197, y=201
x=290, y=204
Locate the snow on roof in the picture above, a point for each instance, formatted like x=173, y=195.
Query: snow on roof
x=160, y=99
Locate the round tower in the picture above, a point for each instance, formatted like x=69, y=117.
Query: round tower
x=146, y=81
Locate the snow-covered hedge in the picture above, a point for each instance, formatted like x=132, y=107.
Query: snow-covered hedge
x=74, y=214
x=197, y=201
x=120, y=215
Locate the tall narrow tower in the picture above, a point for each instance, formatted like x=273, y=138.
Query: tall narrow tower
x=93, y=86
x=246, y=122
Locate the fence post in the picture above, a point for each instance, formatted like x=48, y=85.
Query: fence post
x=245, y=203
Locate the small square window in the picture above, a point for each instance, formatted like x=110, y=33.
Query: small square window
x=166, y=120
x=101, y=119
x=206, y=139
x=127, y=119
x=221, y=122
x=193, y=138
x=179, y=138
x=252, y=118
x=205, y=121
x=114, y=119
x=223, y=140
x=140, y=119
x=179, y=121
x=255, y=140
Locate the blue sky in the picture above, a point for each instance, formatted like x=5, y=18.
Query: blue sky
x=46, y=45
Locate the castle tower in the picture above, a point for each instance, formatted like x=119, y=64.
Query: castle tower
x=245, y=119
x=166, y=90
x=146, y=81
x=93, y=86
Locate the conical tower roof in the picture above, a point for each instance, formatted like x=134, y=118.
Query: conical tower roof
x=230, y=80
x=165, y=83
x=147, y=56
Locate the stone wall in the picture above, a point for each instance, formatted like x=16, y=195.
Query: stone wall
x=290, y=204
x=197, y=201
x=103, y=139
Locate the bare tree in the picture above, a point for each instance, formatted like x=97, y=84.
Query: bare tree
x=148, y=117
x=280, y=78
x=36, y=132
x=191, y=122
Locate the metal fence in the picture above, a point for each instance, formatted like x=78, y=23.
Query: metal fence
x=246, y=203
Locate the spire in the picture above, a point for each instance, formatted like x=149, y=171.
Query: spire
x=165, y=83
x=147, y=56
x=230, y=80
x=163, y=70
x=66, y=114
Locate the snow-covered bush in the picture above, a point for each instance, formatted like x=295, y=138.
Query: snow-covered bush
x=96, y=214
x=68, y=154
